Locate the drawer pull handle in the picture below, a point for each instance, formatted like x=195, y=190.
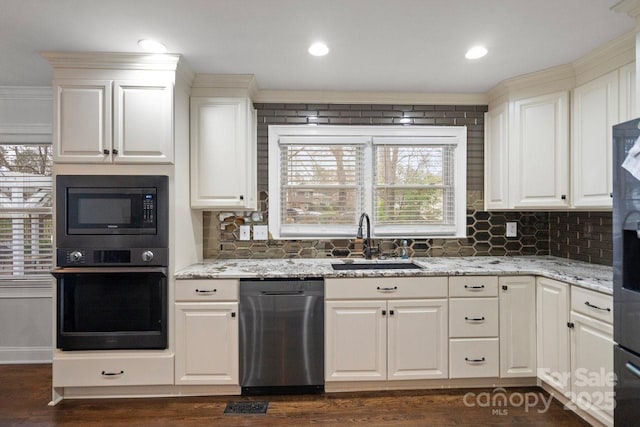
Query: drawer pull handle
x=474, y=319
x=633, y=369
x=111, y=374
x=481, y=360
x=474, y=287
x=588, y=304
x=395, y=288
x=206, y=291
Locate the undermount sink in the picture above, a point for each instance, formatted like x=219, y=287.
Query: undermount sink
x=376, y=266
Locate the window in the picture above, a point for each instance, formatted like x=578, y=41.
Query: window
x=410, y=180
x=25, y=211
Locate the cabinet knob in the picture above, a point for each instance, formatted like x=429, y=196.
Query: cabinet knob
x=384, y=312
x=115, y=152
x=390, y=312
x=505, y=287
x=105, y=151
x=563, y=197
x=570, y=325
x=241, y=197
x=233, y=314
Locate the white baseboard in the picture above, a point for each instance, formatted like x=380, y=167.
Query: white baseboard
x=25, y=355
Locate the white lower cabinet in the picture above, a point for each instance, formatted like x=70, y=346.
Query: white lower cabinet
x=474, y=357
x=592, y=366
x=553, y=336
x=517, y=326
x=473, y=327
x=206, y=332
x=382, y=338
x=356, y=341
x=575, y=346
x=592, y=373
x=122, y=369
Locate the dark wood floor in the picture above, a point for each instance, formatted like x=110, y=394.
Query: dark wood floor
x=25, y=391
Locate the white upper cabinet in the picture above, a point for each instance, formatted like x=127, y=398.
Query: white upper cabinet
x=627, y=109
x=119, y=121
x=527, y=153
x=595, y=111
x=496, y=155
x=223, y=153
x=540, y=152
x=143, y=122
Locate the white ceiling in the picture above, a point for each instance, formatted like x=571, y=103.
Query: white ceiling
x=376, y=45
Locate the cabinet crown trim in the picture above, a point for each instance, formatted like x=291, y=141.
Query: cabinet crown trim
x=120, y=61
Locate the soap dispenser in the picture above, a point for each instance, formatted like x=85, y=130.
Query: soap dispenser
x=404, y=250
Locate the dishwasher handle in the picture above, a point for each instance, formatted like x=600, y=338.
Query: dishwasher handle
x=281, y=293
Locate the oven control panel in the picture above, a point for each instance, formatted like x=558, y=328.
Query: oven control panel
x=112, y=257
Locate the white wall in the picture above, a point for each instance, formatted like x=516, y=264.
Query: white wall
x=26, y=314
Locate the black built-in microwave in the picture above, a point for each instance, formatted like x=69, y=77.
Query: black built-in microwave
x=112, y=219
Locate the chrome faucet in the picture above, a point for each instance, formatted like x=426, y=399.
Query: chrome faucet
x=367, y=243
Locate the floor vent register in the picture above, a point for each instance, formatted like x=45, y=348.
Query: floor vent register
x=246, y=407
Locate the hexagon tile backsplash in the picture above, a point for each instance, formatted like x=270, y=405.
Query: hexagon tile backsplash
x=486, y=236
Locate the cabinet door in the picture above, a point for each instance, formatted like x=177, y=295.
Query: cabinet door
x=207, y=343
x=496, y=158
x=553, y=337
x=539, y=153
x=417, y=339
x=595, y=110
x=592, y=366
x=627, y=94
x=355, y=340
x=82, y=121
x=222, y=153
x=517, y=326
x=143, y=122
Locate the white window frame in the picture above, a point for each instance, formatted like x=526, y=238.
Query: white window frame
x=455, y=135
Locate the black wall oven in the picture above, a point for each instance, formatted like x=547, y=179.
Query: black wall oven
x=112, y=258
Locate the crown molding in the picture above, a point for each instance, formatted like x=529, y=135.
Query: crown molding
x=630, y=7
x=112, y=60
x=355, y=97
x=608, y=57
x=541, y=82
x=242, y=85
x=43, y=93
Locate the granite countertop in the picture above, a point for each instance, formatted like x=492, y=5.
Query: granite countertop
x=590, y=276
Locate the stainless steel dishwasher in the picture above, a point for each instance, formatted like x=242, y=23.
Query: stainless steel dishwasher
x=282, y=336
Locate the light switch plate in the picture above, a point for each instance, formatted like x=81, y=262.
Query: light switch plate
x=512, y=229
x=260, y=232
x=245, y=232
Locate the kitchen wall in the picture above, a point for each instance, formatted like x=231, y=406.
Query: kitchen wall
x=25, y=306
x=583, y=236
x=486, y=230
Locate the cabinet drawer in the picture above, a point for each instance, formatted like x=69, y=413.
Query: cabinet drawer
x=386, y=288
x=207, y=290
x=473, y=317
x=473, y=286
x=594, y=304
x=113, y=371
x=474, y=358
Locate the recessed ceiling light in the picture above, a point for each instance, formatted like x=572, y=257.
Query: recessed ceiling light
x=476, y=52
x=152, y=46
x=318, y=49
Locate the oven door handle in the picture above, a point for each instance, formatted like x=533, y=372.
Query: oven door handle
x=59, y=272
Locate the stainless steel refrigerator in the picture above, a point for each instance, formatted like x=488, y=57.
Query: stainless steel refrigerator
x=626, y=271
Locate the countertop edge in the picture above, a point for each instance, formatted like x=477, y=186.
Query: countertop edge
x=575, y=272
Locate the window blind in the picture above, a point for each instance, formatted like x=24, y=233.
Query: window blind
x=321, y=182
x=26, y=251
